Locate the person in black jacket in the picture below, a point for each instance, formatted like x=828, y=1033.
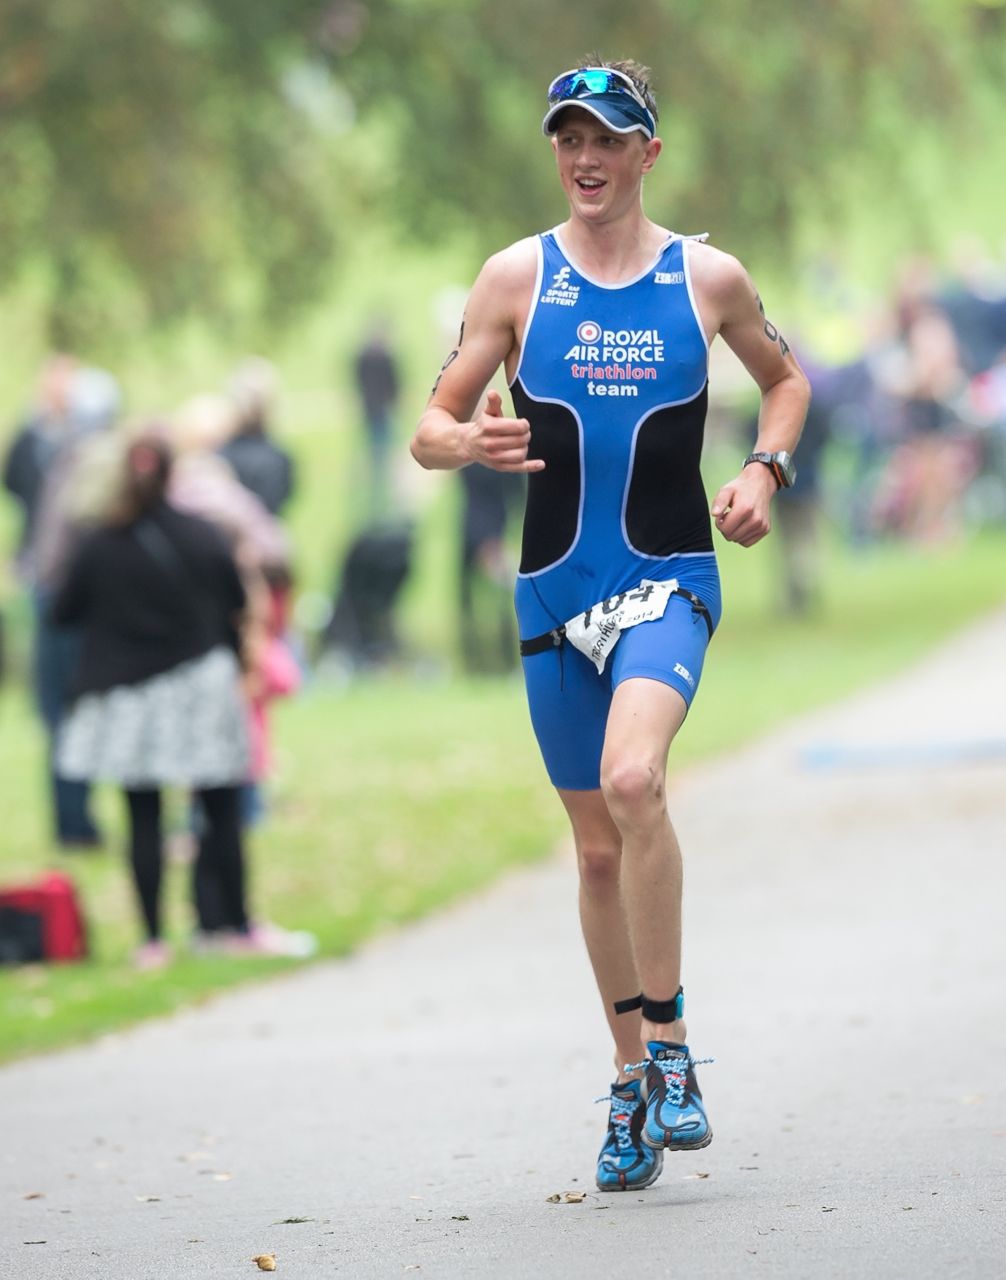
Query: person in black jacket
x=262, y=466
x=71, y=404
x=158, y=694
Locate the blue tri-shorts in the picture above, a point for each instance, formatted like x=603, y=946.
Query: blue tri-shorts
x=569, y=700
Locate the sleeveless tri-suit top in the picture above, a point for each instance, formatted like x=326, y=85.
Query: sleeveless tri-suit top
x=613, y=380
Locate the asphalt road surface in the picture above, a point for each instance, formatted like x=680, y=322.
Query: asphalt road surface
x=415, y=1109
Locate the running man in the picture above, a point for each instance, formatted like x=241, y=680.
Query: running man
x=603, y=326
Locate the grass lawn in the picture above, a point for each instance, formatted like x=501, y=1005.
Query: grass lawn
x=397, y=793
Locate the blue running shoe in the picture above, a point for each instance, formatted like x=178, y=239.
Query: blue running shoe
x=625, y=1163
x=675, y=1117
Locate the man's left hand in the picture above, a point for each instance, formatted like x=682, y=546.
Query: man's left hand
x=741, y=508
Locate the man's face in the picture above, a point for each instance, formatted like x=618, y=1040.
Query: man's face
x=600, y=170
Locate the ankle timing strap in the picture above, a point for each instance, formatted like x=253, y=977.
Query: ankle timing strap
x=628, y=1006
x=654, y=1010
x=663, y=1010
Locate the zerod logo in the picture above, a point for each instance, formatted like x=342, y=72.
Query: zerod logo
x=588, y=331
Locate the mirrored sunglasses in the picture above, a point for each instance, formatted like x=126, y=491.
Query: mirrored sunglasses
x=584, y=82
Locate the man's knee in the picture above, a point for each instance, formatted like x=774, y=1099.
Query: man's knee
x=599, y=866
x=632, y=786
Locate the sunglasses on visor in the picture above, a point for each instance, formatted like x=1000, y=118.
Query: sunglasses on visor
x=585, y=81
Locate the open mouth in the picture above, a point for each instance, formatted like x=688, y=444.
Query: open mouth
x=590, y=186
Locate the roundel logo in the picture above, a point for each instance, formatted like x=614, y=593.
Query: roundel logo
x=588, y=331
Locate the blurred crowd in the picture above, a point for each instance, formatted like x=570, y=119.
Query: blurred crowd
x=158, y=569
x=907, y=438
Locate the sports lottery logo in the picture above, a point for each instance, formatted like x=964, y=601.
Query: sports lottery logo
x=560, y=291
x=588, y=331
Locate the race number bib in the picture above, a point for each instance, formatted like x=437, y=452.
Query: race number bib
x=595, y=633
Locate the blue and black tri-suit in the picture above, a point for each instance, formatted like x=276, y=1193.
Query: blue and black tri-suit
x=613, y=380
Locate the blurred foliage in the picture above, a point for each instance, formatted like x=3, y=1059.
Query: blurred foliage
x=765, y=111
x=214, y=156
x=153, y=154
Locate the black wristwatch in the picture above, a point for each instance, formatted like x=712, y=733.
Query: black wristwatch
x=780, y=464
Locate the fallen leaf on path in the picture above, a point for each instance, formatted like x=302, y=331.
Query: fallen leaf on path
x=285, y=1221
x=34, y=1195
x=694, y=1175
x=265, y=1261
x=148, y=1199
x=575, y=1197
x=460, y=1217
x=554, y=1199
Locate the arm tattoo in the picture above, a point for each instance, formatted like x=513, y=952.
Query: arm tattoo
x=771, y=332
x=450, y=359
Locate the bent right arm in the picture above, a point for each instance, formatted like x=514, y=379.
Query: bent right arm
x=451, y=434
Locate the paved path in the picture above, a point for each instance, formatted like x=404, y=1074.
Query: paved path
x=416, y=1106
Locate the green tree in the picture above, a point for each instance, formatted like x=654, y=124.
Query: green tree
x=154, y=156
x=205, y=155
x=770, y=114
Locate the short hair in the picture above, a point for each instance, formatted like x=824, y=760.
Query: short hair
x=636, y=72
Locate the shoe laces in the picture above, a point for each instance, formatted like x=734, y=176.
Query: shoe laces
x=674, y=1071
x=622, y=1111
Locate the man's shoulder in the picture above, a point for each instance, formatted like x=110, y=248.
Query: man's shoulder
x=714, y=266
x=505, y=284
x=516, y=264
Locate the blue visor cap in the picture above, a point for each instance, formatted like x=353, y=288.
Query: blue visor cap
x=607, y=95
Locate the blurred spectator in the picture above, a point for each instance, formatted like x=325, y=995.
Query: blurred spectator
x=361, y=633
x=258, y=462
x=158, y=692
x=485, y=580
x=48, y=428
x=974, y=301
x=378, y=385
x=916, y=420
x=271, y=672
x=936, y=456
x=203, y=484
x=73, y=403
x=797, y=512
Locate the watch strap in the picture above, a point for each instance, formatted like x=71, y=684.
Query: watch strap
x=771, y=460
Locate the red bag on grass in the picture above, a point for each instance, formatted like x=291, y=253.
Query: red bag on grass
x=42, y=921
